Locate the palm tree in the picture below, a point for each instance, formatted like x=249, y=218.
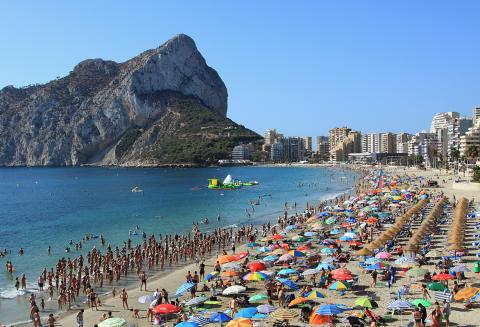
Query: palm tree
x=472, y=152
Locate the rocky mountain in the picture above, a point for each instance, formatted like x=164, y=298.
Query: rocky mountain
x=165, y=106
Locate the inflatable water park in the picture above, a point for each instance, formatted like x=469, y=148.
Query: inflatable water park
x=228, y=183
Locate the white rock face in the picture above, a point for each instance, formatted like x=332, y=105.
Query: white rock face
x=71, y=120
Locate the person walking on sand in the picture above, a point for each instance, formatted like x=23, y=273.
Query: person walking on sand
x=374, y=279
x=124, y=298
x=446, y=312
x=143, y=280
x=80, y=318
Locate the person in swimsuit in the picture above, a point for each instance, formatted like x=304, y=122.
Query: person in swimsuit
x=417, y=318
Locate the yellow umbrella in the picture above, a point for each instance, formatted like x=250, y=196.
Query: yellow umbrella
x=466, y=293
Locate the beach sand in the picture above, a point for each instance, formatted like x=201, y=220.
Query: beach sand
x=170, y=281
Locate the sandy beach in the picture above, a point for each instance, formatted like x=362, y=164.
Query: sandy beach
x=381, y=294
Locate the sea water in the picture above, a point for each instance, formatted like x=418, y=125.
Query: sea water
x=41, y=207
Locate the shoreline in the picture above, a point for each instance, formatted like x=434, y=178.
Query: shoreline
x=131, y=283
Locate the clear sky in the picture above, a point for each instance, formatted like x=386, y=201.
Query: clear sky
x=300, y=66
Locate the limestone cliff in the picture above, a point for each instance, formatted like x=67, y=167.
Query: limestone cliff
x=105, y=112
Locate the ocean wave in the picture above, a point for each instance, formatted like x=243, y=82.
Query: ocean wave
x=9, y=294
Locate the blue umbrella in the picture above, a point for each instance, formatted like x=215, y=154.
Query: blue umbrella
x=210, y=276
x=183, y=288
x=264, y=249
x=252, y=244
x=327, y=250
x=246, y=313
x=323, y=214
x=287, y=271
x=220, y=317
x=345, y=238
x=329, y=309
x=310, y=234
x=325, y=266
x=200, y=320
x=270, y=258
x=187, y=324
x=259, y=316
x=288, y=283
x=335, y=232
x=351, y=220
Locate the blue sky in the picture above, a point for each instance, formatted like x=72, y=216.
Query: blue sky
x=300, y=66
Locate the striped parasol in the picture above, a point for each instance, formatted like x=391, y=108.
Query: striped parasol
x=283, y=314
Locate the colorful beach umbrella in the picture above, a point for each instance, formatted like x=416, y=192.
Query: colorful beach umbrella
x=187, y=324
x=297, y=301
x=436, y=287
x=241, y=322
x=364, y=302
x=256, y=266
x=255, y=276
x=383, y=255
x=296, y=253
x=329, y=309
x=266, y=308
x=466, y=293
x=416, y=272
x=246, y=313
x=423, y=302
x=166, y=308
x=257, y=298
x=314, y=295
x=220, y=317
x=211, y=275
x=443, y=277
x=290, y=284
x=338, y=286
x=184, y=288
x=287, y=271
x=196, y=301
x=284, y=314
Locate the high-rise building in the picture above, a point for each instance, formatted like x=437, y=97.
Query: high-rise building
x=308, y=143
x=336, y=136
x=271, y=136
x=371, y=142
x=471, y=138
x=323, y=147
x=457, y=128
x=241, y=152
x=440, y=120
x=352, y=143
x=388, y=143
x=476, y=115
x=288, y=149
x=402, y=142
x=424, y=144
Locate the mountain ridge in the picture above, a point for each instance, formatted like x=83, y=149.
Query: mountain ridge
x=75, y=119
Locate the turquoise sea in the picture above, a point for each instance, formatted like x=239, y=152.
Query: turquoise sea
x=50, y=206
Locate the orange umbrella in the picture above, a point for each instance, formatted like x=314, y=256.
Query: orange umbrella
x=229, y=273
x=227, y=258
x=372, y=220
x=240, y=322
x=316, y=319
x=297, y=301
x=443, y=277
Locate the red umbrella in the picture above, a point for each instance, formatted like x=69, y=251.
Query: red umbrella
x=277, y=237
x=241, y=255
x=343, y=277
x=355, y=243
x=256, y=266
x=443, y=277
x=166, y=308
x=341, y=271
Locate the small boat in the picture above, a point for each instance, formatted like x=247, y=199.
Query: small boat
x=136, y=189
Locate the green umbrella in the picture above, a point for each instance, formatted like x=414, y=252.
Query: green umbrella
x=257, y=298
x=363, y=302
x=423, y=302
x=416, y=272
x=113, y=322
x=436, y=287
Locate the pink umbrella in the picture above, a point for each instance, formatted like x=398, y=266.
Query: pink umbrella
x=383, y=255
x=285, y=258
